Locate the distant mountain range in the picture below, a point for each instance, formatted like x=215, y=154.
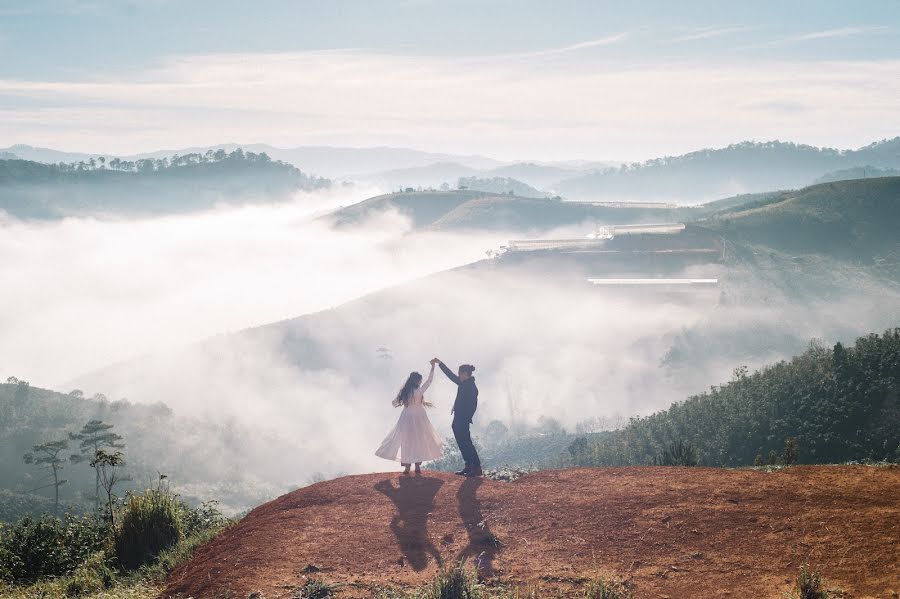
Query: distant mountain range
x=324, y=161
x=692, y=178
x=746, y=167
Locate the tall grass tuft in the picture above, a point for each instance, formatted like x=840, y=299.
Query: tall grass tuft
x=150, y=523
x=458, y=583
x=605, y=589
x=810, y=584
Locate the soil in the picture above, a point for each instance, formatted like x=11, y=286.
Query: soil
x=666, y=532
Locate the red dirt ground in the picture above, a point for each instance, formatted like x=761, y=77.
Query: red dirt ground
x=670, y=532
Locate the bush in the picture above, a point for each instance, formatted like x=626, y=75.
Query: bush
x=150, y=522
x=47, y=546
x=678, y=453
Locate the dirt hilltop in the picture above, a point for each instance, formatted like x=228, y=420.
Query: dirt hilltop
x=671, y=532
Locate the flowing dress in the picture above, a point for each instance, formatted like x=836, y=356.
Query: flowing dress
x=413, y=440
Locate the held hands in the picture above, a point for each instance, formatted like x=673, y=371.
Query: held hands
x=434, y=361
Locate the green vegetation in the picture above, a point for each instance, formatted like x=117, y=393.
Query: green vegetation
x=824, y=406
x=80, y=556
x=606, y=589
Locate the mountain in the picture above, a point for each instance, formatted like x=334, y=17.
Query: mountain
x=858, y=172
x=669, y=532
x=324, y=161
x=192, y=182
x=740, y=168
x=540, y=176
x=432, y=175
x=46, y=155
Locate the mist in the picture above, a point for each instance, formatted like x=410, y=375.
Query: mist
x=89, y=292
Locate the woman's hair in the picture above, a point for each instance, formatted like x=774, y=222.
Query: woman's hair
x=411, y=384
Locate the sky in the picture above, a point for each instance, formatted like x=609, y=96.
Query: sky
x=510, y=79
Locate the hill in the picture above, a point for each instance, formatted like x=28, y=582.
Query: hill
x=191, y=182
x=471, y=209
x=675, y=532
x=739, y=168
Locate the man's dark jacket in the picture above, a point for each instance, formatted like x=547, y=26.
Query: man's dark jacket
x=466, y=396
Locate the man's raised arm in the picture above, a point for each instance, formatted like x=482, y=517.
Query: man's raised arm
x=449, y=373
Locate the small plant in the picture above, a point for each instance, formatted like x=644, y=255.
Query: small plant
x=458, y=583
x=605, y=589
x=810, y=584
x=678, y=453
x=93, y=576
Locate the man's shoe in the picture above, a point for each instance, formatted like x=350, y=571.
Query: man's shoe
x=474, y=472
x=463, y=472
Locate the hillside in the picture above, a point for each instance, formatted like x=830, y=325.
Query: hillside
x=704, y=175
x=670, y=532
x=471, y=209
x=191, y=182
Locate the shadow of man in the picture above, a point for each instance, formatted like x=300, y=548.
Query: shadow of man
x=414, y=500
x=483, y=545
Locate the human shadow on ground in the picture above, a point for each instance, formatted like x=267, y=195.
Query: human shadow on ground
x=414, y=499
x=483, y=544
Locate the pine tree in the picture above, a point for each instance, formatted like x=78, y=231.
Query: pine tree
x=93, y=437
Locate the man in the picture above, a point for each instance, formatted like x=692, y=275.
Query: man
x=463, y=410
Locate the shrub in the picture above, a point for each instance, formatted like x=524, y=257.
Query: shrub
x=789, y=455
x=150, y=522
x=810, y=584
x=678, y=453
x=458, y=583
x=47, y=546
x=605, y=589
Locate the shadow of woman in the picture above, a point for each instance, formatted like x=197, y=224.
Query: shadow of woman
x=483, y=545
x=414, y=499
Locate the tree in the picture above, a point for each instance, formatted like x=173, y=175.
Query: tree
x=47, y=456
x=107, y=465
x=93, y=437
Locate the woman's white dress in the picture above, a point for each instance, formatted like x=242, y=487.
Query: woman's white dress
x=413, y=439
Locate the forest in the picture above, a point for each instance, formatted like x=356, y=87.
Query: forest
x=827, y=405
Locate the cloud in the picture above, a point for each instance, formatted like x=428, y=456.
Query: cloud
x=839, y=32
x=710, y=32
x=593, y=108
x=596, y=43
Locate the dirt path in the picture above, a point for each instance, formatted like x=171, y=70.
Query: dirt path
x=672, y=532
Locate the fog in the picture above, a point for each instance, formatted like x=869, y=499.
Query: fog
x=150, y=310
x=83, y=293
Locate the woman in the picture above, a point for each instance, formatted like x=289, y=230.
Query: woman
x=413, y=440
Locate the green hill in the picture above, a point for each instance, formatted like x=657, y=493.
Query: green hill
x=851, y=220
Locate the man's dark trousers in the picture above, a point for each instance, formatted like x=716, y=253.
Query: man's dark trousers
x=464, y=440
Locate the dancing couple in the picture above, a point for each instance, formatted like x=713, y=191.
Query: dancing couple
x=414, y=439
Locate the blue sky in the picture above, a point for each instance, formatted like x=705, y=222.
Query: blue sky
x=513, y=79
